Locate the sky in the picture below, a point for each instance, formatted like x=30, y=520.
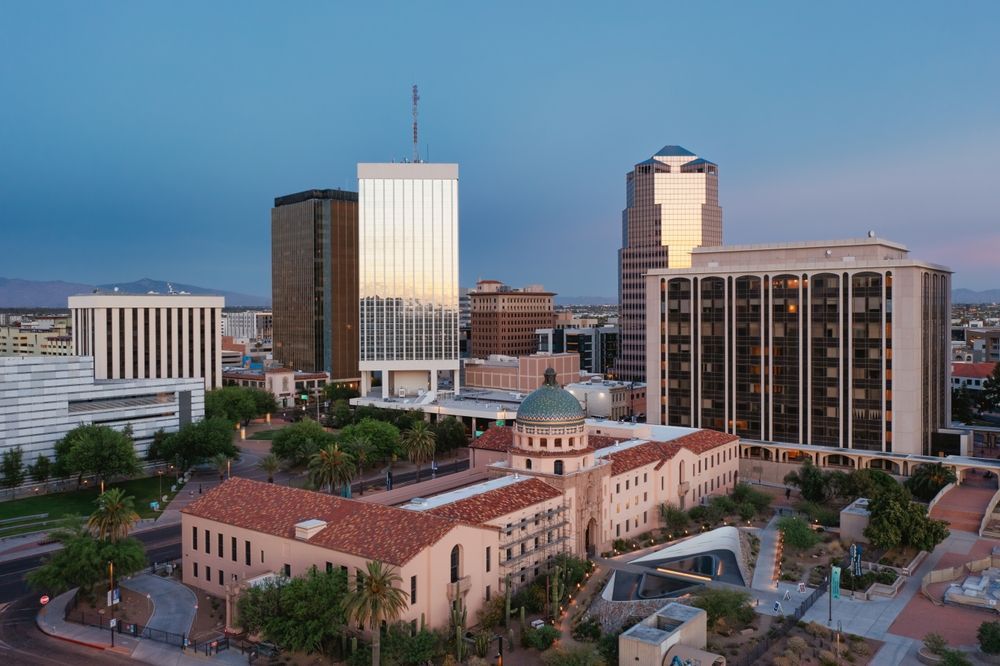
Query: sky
x=149, y=139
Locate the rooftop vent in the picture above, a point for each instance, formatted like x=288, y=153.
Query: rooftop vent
x=419, y=501
x=307, y=529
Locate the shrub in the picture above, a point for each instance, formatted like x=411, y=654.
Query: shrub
x=541, y=639
x=989, y=637
x=935, y=644
x=576, y=656
x=620, y=545
x=797, y=533
x=588, y=630
x=731, y=606
x=531, y=597
x=744, y=493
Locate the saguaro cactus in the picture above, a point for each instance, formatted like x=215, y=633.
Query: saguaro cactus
x=506, y=603
x=458, y=618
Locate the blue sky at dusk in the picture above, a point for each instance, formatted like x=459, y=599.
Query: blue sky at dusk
x=141, y=139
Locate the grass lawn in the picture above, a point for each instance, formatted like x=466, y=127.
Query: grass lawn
x=81, y=502
x=265, y=434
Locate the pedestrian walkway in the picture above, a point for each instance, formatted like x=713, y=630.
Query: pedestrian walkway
x=767, y=556
x=965, y=505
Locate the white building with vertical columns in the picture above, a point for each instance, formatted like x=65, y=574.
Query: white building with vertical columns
x=408, y=276
x=150, y=336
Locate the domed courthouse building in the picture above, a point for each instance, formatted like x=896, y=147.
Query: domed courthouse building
x=556, y=483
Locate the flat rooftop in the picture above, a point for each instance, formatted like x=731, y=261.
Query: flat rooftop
x=426, y=503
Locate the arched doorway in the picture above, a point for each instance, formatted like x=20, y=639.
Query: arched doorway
x=590, y=538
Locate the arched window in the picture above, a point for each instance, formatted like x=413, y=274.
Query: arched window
x=558, y=467
x=455, y=557
x=527, y=463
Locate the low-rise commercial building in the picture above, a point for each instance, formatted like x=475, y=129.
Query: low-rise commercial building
x=607, y=399
x=522, y=374
x=285, y=384
x=970, y=376
x=596, y=345
x=41, y=399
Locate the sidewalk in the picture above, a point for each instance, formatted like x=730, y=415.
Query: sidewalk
x=763, y=572
x=50, y=621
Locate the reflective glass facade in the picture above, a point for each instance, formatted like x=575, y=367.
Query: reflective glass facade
x=408, y=263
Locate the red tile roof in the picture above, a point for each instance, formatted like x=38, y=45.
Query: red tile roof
x=482, y=508
x=637, y=456
x=603, y=441
x=704, y=440
x=497, y=438
x=368, y=530
x=972, y=370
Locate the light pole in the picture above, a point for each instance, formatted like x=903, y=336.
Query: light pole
x=111, y=595
x=160, y=473
x=500, y=650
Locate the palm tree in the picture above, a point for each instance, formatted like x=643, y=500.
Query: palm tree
x=363, y=451
x=270, y=464
x=331, y=466
x=114, y=516
x=928, y=479
x=221, y=462
x=419, y=442
x=378, y=600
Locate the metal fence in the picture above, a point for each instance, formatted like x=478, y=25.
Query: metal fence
x=758, y=650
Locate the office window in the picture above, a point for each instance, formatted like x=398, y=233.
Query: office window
x=221, y=549
x=359, y=579
x=232, y=545
x=456, y=562
x=208, y=574
x=194, y=537
x=247, y=553
x=487, y=593
x=208, y=542
x=488, y=558
x=195, y=569
x=262, y=556
x=220, y=576
x=413, y=590
x=329, y=567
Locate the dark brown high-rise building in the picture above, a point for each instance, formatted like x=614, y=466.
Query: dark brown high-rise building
x=504, y=320
x=314, y=282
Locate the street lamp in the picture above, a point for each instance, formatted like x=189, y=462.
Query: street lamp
x=160, y=472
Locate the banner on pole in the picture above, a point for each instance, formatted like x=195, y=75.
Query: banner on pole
x=835, y=582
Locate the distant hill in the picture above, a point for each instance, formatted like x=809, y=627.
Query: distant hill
x=146, y=285
x=586, y=300
x=17, y=293
x=974, y=297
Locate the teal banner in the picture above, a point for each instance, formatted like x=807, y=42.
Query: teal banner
x=835, y=582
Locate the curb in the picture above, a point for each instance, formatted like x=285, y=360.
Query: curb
x=41, y=627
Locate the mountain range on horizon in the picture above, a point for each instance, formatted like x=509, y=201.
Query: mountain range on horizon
x=18, y=293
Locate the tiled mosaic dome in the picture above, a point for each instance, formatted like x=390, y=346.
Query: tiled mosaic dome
x=550, y=404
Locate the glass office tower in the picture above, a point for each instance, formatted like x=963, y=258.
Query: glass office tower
x=408, y=276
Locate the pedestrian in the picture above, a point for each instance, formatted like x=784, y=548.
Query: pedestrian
x=788, y=493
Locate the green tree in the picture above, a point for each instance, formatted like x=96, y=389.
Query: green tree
x=264, y=402
x=744, y=493
x=895, y=520
x=232, y=403
x=384, y=437
x=155, y=449
x=269, y=464
x=450, y=434
x=928, y=479
x=811, y=482
x=377, y=600
x=304, y=614
x=400, y=646
x=297, y=443
x=363, y=453
x=41, y=471
x=100, y=451
x=797, y=533
x=341, y=414
x=731, y=605
x=83, y=561
x=12, y=468
x=989, y=397
x=331, y=466
x=989, y=637
x=114, y=516
x=419, y=443
x=962, y=406
x=674, y=520
x=196, y=443
x=338, y=392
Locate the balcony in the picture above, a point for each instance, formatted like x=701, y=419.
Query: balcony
x=463, y=585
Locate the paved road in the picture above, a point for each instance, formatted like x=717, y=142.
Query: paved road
x=23, y=644
x=162, y=544
x=408, y=477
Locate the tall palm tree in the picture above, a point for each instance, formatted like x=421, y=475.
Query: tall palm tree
x=419, y=442
x=114, y=516
x=377, y=601
x=331, y=466
x=270, y=464
x=928, y=479
x=363, y=450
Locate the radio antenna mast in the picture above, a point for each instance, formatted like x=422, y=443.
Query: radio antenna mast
x=416, y=98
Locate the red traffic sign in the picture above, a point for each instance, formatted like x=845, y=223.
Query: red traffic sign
x=44, y=600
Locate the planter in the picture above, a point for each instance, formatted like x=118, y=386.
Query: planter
x=925, y=657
